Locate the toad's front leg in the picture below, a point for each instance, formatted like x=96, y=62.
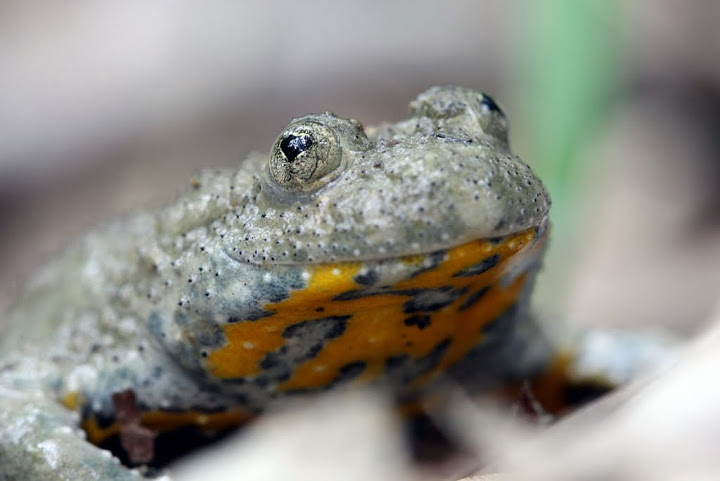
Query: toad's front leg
x=40, y=440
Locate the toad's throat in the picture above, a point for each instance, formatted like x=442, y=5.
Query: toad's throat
x=365, y=321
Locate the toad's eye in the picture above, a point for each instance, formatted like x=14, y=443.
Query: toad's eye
x=294, y=145
x=310, y=153
x=488, y=105
x=492, y=118
x=304, y=156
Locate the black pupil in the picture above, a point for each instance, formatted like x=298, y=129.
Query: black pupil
x=294, y=145
x=488, y=103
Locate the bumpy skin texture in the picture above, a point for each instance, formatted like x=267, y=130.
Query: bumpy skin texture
x=391, y=255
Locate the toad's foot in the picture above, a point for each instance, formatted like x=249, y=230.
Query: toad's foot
x=40, y=440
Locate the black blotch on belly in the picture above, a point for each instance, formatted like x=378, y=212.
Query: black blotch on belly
x=375, y=291
x=333, y=326
x=512, y=347
x=367, y=279
x=473, y=298
x=308, y=340
x=432, y=261
x=403, y=369
x=433, y=358
x=480, y=267
x=349, y=371
x=102, y=420
x=431, y=300
x=346, y=373
x=421, y=321
x=579, y=394
x=253, y=314
x=395, y=362
x=269, y=362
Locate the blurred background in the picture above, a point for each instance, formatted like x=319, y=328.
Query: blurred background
x=105, y=107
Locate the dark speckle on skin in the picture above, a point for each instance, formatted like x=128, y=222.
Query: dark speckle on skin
x=207, y=333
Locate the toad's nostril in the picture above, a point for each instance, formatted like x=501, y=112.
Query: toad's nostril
x=294, y=145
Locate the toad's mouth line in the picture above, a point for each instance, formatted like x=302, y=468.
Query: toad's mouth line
x=433, y=249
